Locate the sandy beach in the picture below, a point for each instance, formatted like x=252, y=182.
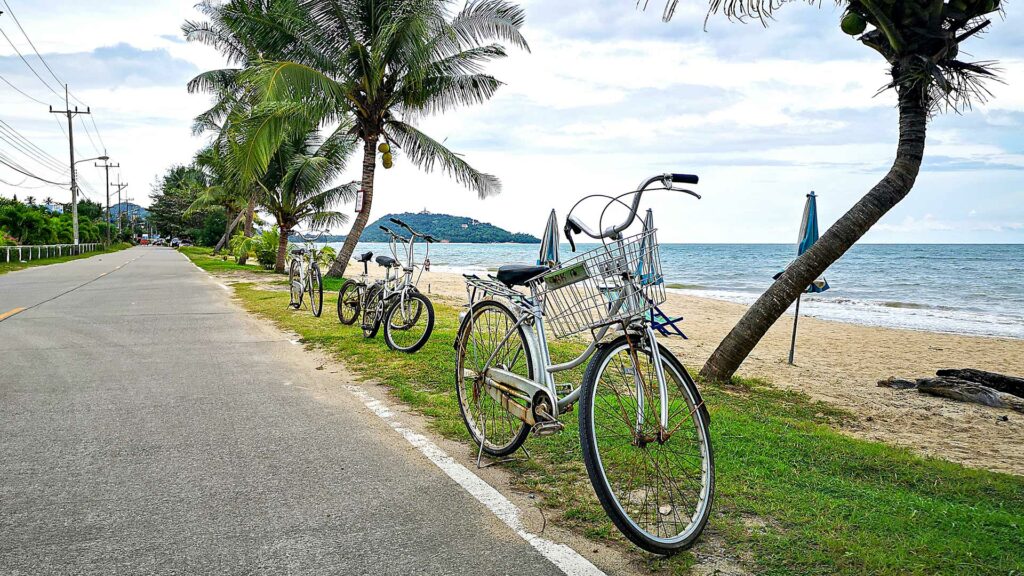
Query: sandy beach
x=841, y=363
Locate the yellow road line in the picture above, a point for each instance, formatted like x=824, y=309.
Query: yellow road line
x=10, y=313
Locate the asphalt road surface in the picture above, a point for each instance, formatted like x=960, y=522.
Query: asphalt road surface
x=149, y=426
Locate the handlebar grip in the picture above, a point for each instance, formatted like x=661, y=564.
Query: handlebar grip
x=570, y=229
x=685, y=179
x=384, y=229
x=429, y=238
x=400, y=223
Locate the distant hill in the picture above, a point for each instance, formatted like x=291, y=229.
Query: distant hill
x=130, y=209
x=446, y=228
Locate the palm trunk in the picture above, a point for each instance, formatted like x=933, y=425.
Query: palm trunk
x=734, y=349
x=369, y=165
x=282, y=250
x=249, y=213
x=227, y=231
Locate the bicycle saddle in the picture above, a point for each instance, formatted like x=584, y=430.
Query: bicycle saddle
x=365, y=257
x=299, y=251
x=386, y=261
x=518, y=274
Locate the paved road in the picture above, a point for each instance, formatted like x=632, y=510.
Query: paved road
x=148, y=426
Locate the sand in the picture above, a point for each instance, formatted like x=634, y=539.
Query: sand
x=841, y=363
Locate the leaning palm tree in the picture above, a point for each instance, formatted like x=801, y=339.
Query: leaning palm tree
x=244, y=32
x=920, y=40
x=384, y=63
x=303, y=170
x=222, y=190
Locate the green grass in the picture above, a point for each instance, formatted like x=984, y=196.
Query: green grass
x=793, y=495
x=6, y=267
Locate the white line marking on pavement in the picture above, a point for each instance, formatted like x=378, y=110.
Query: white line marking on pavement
x=223, y=286
x=565, y=558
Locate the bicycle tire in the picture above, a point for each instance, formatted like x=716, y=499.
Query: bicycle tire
x=632, y=518
x=372, y=310
x=316, y=290
x=349, y=296
x=390, y=328
x=293, y=276
x=517, y=430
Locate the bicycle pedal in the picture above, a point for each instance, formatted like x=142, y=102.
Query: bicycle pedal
x=547, y=428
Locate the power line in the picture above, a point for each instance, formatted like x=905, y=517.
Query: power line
x=22, y=92
x=4, y=161
x=27, y=147
x=30, y=43
x=22, y=56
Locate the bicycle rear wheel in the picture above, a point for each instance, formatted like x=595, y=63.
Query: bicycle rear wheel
x=408, y=322
x=373, y=309
x=480, y=335
x=316, y=290
x=657, y=485
x=348, y=302
x=295, y=287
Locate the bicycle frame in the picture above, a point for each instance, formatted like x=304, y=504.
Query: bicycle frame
x=530, y=315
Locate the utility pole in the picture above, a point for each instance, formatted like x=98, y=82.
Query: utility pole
x=71, y=138
x=107, y=166
x=120, y=208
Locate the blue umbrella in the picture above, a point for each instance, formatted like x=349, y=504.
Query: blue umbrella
x=808, y=236
x=549, y=243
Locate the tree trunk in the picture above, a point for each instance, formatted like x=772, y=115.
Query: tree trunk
x=249, y=213
x=733, y=350
x=282, y=250
x=369, y=165
x=227, y=232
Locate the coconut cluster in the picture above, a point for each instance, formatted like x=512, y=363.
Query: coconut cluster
x=914, y=13
x=386, y=159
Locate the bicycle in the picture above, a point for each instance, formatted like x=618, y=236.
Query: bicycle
x=393, y=302
x=644, y=428
x=304, y=276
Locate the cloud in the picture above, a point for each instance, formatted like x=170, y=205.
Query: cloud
x=104, y=67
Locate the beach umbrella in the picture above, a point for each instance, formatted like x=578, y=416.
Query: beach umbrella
x=549, y=243
x=808, y=236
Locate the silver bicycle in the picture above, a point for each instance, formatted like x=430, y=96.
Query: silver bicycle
x=642, y=423
x=406, y=314
x=304, y=275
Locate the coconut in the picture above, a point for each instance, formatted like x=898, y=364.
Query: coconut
x=384, y=148
x=854, y=24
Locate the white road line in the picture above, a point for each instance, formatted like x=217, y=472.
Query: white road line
x=565, y=558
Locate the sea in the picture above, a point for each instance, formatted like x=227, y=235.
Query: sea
x=973, y=289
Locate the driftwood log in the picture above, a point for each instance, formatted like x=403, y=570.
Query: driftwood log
x=967, y=391
x=1000, y=382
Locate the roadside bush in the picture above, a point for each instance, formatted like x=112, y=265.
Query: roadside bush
x=265, y=247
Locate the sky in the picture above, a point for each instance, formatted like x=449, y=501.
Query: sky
x=606, y=96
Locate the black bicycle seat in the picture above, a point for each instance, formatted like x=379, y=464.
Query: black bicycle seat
x=365, y=257
x=518, y=274
x=387, y=261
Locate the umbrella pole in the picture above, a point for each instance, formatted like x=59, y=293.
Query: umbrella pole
x=796, y=318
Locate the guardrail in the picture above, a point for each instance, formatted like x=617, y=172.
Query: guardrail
x=42, y=251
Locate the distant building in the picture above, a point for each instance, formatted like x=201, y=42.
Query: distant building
x=54, y=208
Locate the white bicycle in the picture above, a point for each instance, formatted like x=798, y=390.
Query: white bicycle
x=642, y=423
x=304, y=276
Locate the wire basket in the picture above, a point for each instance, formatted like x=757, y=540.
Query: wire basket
x=619, y=281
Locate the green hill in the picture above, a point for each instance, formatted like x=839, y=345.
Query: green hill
x=446, y=228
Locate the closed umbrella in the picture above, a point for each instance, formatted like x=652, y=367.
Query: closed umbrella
x=808, y=236
x=549, y=243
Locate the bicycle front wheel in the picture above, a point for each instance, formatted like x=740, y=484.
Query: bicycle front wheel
x=316, y=290
x=408, y=322
x=348, y=302
x=295, y=286
x=656, y=484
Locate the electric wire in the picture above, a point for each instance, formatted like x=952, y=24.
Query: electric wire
x=22, y=56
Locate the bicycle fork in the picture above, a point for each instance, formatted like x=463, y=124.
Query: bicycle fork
x=641, y=388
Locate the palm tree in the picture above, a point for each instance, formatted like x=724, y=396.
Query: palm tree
x=303, y=169
x=385, y=62
x=243, y=31
x=920, y=40
x=222, y=190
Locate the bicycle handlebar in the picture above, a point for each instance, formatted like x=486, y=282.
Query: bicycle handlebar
x=426, y=237
x=574, y=225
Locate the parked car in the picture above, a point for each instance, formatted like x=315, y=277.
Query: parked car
x=175, y=242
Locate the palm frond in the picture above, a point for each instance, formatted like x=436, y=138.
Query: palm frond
x=427, y=153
